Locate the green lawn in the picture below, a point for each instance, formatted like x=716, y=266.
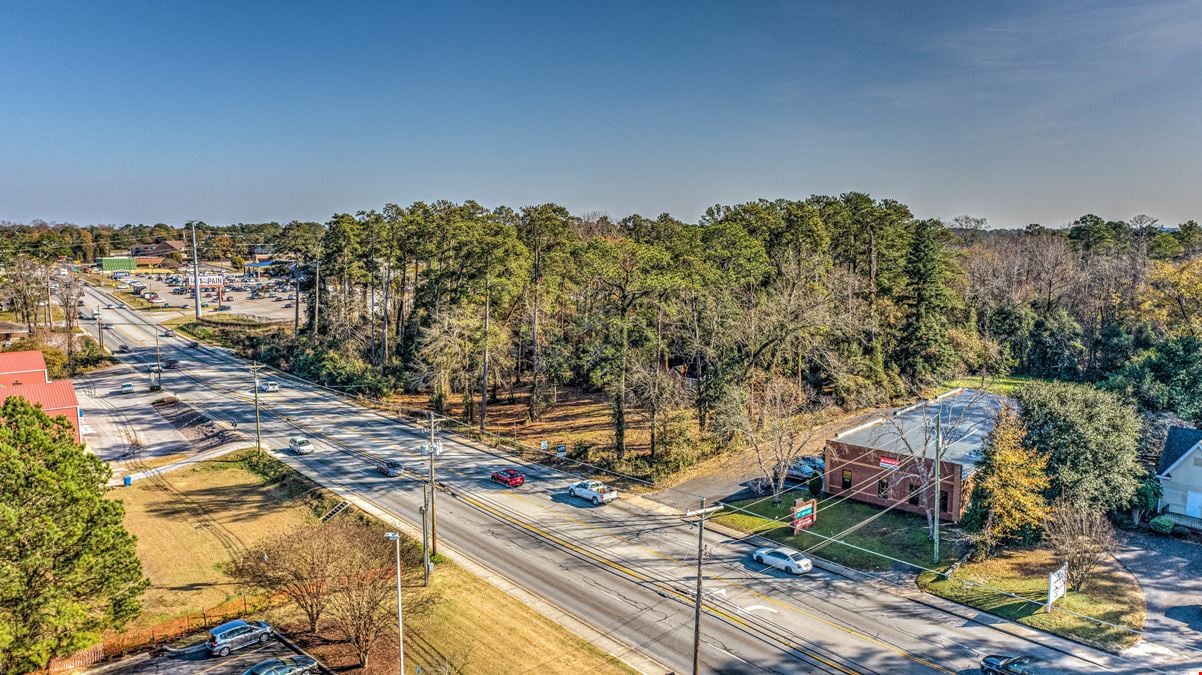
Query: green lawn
x=1002, y=386
x=894, y=534
x=1113, y=596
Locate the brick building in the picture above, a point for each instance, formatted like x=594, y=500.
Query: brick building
x=891, y=459
x=24, y=374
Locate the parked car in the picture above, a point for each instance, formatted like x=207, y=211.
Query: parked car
x=288, y=305
x=289, y=665
x=804, y=468
x=236, y=634
x=127, y=388
x=390, y=468
x=268, y=386
x=301, y=445
x=996, y=664
x=784, y=559
x=511, y=477
x=593, y=490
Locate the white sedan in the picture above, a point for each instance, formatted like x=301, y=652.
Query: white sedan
x=784, y=559
x=301, y=445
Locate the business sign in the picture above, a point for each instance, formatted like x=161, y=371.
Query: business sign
x=889, y=462
x=212, y=280
x=1057, y=585
x=561, y=451
x=805, y=512
x=542, y=445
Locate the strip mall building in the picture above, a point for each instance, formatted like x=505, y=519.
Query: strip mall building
x=24, y=374
x=890, y=460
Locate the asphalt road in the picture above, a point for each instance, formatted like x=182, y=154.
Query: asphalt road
x=625, y=571
x=200, y=663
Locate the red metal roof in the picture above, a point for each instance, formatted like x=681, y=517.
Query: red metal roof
x=51, y=395
x=22, y=362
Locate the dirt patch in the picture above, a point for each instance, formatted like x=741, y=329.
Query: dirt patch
x=203, y=432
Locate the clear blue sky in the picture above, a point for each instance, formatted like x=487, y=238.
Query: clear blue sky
x=241, y=111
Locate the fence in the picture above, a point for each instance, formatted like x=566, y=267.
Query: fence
x=162, y=634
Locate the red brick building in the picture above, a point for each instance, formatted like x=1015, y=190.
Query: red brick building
x=24, y=374
x=891, y=460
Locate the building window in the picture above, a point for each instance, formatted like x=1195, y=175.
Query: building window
x=847, y=479
x=882, y=488
x=943, y=501
x=913, y=500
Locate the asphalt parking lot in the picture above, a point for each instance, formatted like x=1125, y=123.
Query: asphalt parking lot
x=197, y=662
x=240, y=302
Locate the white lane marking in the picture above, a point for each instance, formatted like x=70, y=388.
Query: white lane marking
x=751, y=608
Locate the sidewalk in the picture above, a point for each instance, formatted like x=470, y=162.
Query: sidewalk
x=238, y=443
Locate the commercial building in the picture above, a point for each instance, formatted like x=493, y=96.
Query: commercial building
x=24, y=374
x=890, y=461
x=159, y=250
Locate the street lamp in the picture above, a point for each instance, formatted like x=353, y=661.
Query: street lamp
x=400, y=625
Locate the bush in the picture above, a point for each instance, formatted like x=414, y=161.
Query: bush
x=1161, y=525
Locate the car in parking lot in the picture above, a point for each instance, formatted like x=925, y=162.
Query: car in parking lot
x=784, y=559
x=237, y=634
x=301, y=445
x=390, y=468
x=288, y=665
x=268, y=386
x=803, y=468
x=509, y=477
x=996, y=664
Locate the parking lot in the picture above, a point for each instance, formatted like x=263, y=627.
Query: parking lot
x=199, y=661
x=273, y=302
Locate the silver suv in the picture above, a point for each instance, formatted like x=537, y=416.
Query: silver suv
x=237, y=634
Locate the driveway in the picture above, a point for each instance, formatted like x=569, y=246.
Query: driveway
x=1170, y=571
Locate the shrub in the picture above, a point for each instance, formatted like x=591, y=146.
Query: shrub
x=1161, y=525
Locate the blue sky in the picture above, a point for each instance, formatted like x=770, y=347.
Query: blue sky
x=241, y=111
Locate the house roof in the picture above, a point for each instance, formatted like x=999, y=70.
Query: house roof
x=51, y=395
x=176, y=244
x=1179, y=442
x=967, y=419
x=22, y=362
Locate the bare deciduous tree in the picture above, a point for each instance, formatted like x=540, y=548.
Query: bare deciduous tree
x=70, y=292
x=779, y=428
x=303, y=565
x=1082, y=537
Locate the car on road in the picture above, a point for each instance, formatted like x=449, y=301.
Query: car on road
x=390, y=468
x=301, y=445
x=510, y=477
x=224, y=308
x=236, y=634
x=289, y=665
x=594, y=491
x=123, y=349
x=784, y=559
x=288, y=305
x=154, y=368
x=127, y=388
x=167, y=332
x=105, y=325
x=110, y=306
x=268, y=386
x=194, y=344
x=996, y=664
x=171, y=364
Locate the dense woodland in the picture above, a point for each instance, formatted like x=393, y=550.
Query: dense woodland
x=844, y=301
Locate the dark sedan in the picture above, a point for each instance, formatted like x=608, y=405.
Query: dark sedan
x=510, y=477
x=1010, y=665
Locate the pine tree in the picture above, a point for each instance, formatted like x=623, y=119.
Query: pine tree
x=68, y=567
x=924, y=351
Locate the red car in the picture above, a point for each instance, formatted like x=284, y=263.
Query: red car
x=510, y=477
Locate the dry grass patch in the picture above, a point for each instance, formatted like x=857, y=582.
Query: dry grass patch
x=1112, y=596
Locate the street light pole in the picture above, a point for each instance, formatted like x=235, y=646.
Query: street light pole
x=701, y=513
x=255, y=368
x=195, y=271
x=938, y=482
x=400, y=624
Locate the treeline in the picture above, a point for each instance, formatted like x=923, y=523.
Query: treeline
x=848, y=300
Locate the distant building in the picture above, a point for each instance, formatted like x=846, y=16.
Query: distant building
x=24, y=374
x=161, y=249
x=114, y=264
x=889, y=461
x=261, y=252
x=1180, y=474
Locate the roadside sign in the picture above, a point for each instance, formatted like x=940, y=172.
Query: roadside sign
x=805, y=512
x=561, y=451
x=889, y=462
x=542, y=445
x=1057, y=584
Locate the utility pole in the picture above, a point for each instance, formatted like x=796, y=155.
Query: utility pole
x=400, y=624
x=938, y=484
x=484, y=370
x=99, y=328
x=425, y=508
x=433, y=550
x=701, y=513
x=195, y=270
x=316, y=298
x=255, y=368
x=158, y=363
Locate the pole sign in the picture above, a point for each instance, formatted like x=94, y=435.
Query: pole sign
x=542, y=445
x=1057, y=584
x=889, y=462
x=805, y=512
x=561, y=451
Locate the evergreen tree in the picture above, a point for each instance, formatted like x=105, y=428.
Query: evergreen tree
x=1008, y=489
x=924, y=351
x=68, y=567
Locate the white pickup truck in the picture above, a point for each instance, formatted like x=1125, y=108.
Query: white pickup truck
x=593, y=490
